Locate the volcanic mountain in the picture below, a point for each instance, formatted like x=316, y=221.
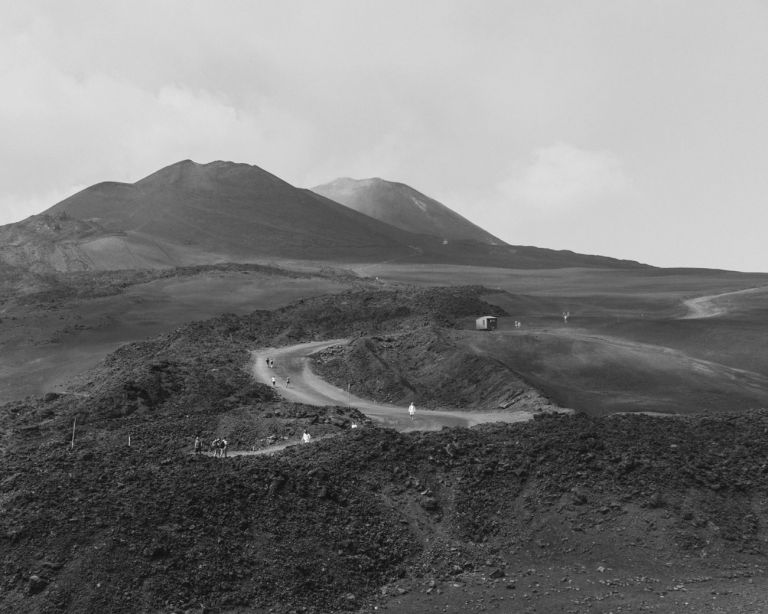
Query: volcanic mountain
x=237, y=211
x=403, y=207
x=190, y=213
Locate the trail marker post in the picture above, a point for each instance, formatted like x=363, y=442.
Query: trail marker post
x=74, y=425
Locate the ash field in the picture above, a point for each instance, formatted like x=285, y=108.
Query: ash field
x=612, y=461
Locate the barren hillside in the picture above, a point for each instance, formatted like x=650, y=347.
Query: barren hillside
x=402, y=206
x=562, y=513
x=190, y=214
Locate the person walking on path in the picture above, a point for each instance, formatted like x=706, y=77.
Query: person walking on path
x=224, y=447
x=198, y=445
x=287, y=382
x=274, y=381
x=411, y=410
x=306, y=437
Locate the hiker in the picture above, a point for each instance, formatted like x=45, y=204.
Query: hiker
x=287, y=382
x=269, y=365
x=215, y=447
x=274, y=381
x=411, y=410
x=224, y=446
x=306, y=437
x=272, y=363
x=198, y=445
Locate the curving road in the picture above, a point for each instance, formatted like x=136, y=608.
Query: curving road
x=708, y=307
x=306, y=387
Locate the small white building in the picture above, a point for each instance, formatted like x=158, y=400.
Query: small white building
x=486, y=323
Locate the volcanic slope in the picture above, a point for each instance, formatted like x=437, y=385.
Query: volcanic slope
x=559, y=514
x=402, y=206
x=235, y=210
x=46, y=244
x=190, y=213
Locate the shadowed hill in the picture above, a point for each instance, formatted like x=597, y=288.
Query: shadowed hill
x=558, y=511
x=45, y=244
x=235, y=210
x=403, y=207
x=189, y=214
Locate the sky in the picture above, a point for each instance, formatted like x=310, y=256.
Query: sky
x=632, y=129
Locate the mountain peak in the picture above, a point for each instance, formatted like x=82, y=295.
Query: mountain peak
x=190, y=212
x=195, y=175
x=403, y=207
x=234, y=210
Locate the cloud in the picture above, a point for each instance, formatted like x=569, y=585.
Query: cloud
x=70, y=129
x=562, y=176
x=18, y=206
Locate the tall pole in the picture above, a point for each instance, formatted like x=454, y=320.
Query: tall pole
x=74, y=424
x=349, y=396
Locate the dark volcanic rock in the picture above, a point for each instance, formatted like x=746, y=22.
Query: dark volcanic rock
x=36, y=584
x=116, y=527
x=342, y=516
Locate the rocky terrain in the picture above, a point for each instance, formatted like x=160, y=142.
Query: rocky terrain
x=428, y=367
x=562, y=514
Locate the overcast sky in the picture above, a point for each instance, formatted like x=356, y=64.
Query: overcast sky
x=634, y=129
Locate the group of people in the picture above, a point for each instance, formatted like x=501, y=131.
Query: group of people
x=287, y=381
x=218, y=447
x=271, y=365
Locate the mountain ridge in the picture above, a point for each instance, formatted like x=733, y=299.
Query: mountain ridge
x=191, y=213
x=233, y=208
x=404, y=207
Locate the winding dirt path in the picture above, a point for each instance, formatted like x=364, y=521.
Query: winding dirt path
x=708, y=307
x=306, y=387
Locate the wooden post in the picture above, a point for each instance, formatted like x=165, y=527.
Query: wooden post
x=129, y=441
x=74, y=424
